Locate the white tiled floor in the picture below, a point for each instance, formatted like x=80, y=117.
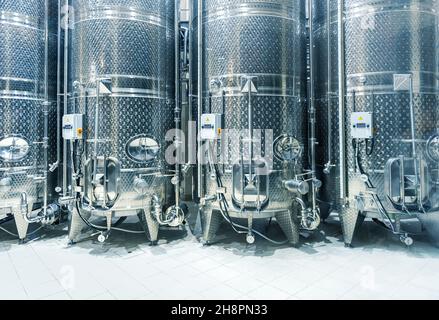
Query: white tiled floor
x=126, y=267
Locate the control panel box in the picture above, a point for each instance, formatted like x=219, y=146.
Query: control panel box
x=211, y=126
x=362, y=125
x=73, y=127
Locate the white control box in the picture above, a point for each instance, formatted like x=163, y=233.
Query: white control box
x=211, y=126
x=362, y=125
x=72, y=127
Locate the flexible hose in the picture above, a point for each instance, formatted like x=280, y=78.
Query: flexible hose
x=380, y=223
x=16, y=235
x=128, y=231
x=9, y=232
x=254, y=231
x=370, y=150
x=87, y=222
x=103, y=229
x=369, y=184
x=224, y=212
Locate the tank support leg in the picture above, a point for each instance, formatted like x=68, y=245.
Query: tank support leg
x=109, y=218
x=22, y=226
x=290, y=226
x=150, y=225
x=398, y=223
x=77, y=225
x=351, y=221
x=211, y=221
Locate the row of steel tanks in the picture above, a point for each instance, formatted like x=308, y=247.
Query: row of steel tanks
x=376, y=92
x=276, y=132
x=101, y=140
x=87, y=95
x=250, y=117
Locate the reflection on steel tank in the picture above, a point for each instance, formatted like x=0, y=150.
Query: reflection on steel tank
x=27, y=113
x=249, y=80
x=377, y=85
x=123, y=82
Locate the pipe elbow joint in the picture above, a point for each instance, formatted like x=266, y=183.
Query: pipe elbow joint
x=157, y=204
x=297, y=186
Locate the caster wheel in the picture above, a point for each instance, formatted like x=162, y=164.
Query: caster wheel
x=102, y=238
x=408, y=241
x=348, y=245
x=250, y=239
x=154, y=243
x=22, y=241
x=71, y=243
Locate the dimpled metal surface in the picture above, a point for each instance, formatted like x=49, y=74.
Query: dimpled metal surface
x=265, y=39
x=131, y=43
x=382, y=38
x=22, y=48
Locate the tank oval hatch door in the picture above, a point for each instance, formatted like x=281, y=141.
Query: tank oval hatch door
x=432, y=148
x=406, y=183
x=251, y=188
x=13, y=148
x=101, y=185
x=287, y=148
x=142, y=149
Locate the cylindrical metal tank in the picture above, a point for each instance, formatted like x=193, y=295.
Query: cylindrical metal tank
x=27, y=110
x=253, y=82
x=123, y=81
x=384, y=57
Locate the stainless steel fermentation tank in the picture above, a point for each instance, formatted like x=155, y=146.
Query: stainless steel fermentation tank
x=252, y=116
x=27, y=112
x=376, y=83
x=123, y=82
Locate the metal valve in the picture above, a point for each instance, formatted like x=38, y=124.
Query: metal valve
x=328, y=168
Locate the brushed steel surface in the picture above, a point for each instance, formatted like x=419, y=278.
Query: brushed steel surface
x=266, y=40
x=382, y=38
x=131, y=43
x=22, y=45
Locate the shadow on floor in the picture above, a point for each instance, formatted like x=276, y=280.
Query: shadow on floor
x=371, y=236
